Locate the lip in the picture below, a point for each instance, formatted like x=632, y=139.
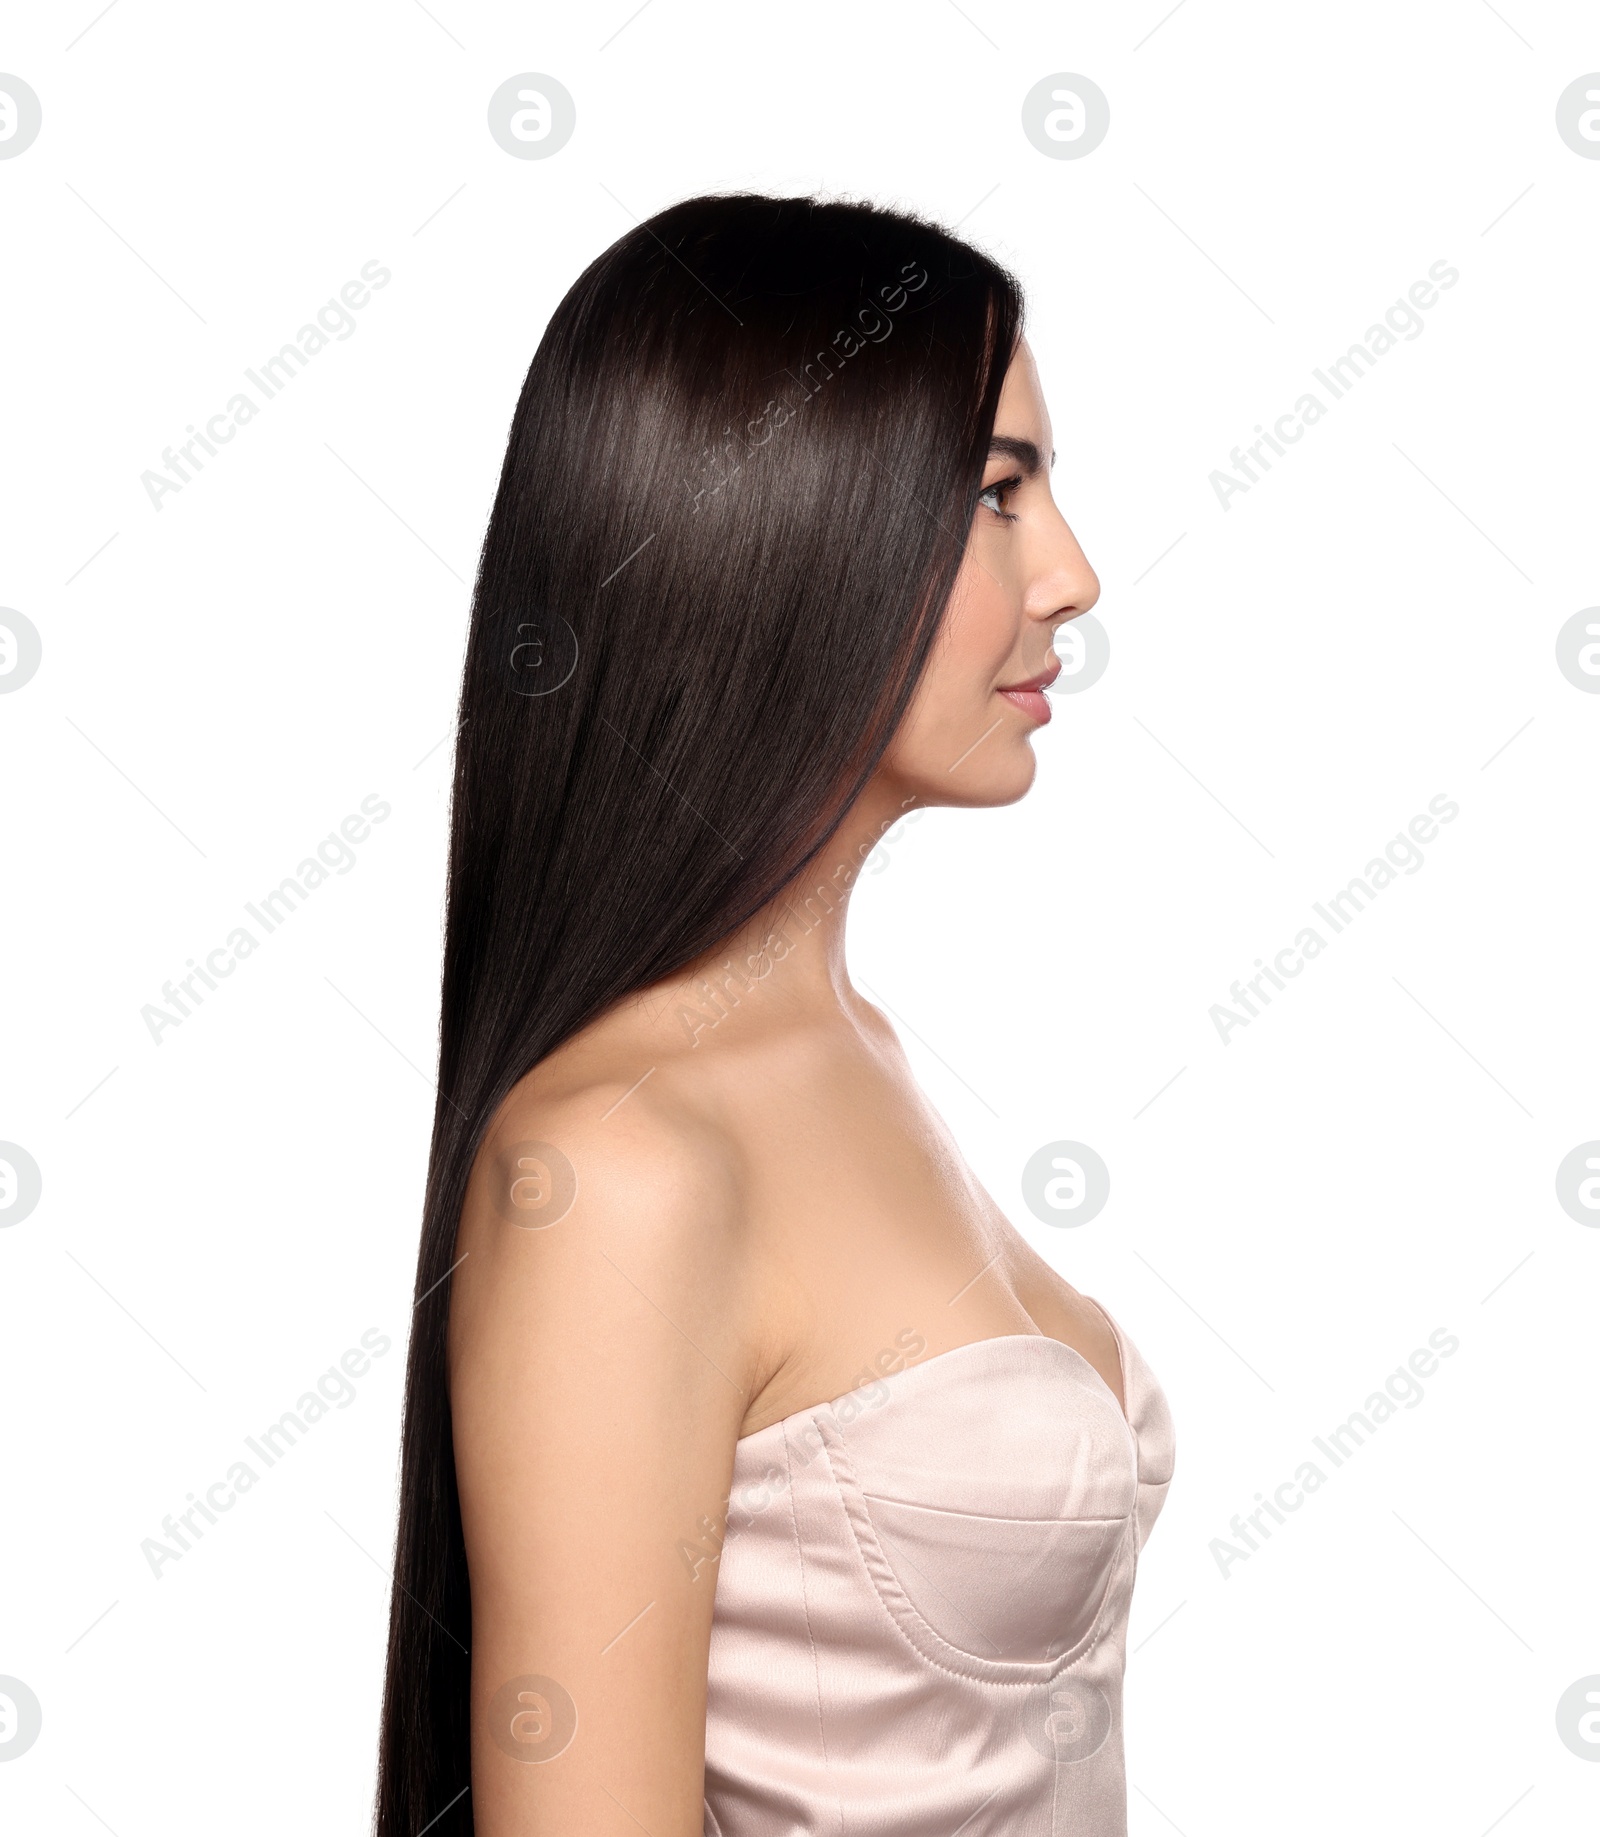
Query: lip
x=1042, y=681
x=1030, y=695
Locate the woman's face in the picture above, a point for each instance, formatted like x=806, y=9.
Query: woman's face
x=965, y=738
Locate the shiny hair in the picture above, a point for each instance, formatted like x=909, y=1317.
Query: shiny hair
x=734, y=500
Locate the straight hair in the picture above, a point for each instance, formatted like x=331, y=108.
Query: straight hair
x=734, y=501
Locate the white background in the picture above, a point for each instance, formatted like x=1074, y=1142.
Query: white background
x=1373, y=624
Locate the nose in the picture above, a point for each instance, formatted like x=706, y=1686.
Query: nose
x=1063, y=584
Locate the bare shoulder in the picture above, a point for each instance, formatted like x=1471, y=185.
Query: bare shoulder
x=622, y=1145
x=601, y=1358
x=605, y=1209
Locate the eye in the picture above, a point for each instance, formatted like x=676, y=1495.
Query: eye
x=993, y=497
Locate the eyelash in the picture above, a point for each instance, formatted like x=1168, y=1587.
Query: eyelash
x=1003, y=486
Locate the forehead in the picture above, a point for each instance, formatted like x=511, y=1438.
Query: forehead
x=1021, y=411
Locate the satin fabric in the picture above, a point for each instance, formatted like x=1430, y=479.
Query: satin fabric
x=922, y=1602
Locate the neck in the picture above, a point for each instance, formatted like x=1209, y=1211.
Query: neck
x=792, y=954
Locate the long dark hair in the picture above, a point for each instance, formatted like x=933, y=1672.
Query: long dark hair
x=735, y=496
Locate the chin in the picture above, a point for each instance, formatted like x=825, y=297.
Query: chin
x=1004, y=779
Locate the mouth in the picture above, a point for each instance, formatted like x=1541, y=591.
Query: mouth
x=1030, y=695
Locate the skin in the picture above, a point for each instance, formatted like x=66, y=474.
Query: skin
x=753, y=1225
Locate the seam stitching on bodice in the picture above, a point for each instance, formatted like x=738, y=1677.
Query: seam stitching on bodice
x=951, y=1511
x=805, y=1606
x=889, y=1589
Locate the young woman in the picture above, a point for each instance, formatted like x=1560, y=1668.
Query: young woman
x=758, y=1478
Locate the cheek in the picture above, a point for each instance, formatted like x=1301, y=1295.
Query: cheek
x=953, y=703
x=979, y=633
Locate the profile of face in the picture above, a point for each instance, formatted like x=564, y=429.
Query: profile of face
x=966, y=737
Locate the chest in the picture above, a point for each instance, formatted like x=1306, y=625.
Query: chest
x=879, y=1237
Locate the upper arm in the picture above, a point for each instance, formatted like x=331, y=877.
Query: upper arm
x=600, y=1363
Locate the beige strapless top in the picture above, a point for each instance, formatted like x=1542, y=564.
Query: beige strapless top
x=922, y=1602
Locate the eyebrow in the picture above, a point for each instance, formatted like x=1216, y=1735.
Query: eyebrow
x=1023, y=452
